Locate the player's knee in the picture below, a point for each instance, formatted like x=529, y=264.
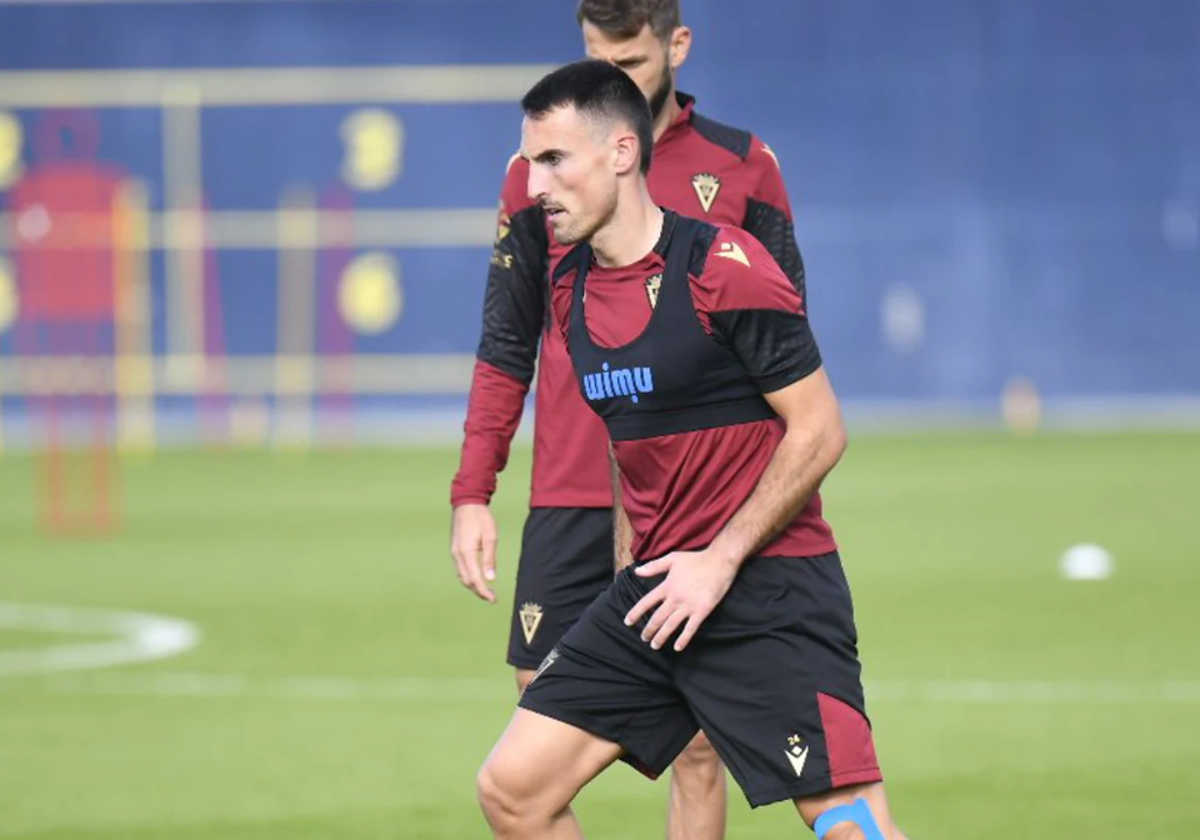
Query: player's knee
x=499, y=796
x=514, y=801
x=699, y=765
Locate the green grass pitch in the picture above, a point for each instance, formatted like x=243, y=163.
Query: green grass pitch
x=346, y=686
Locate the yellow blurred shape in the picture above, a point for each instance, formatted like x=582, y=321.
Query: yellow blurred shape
x=370, y=296
x=135, y=375
x=10, y=305
x=374, y=141
x=11, y=141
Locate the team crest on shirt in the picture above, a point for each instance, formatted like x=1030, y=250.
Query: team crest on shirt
x=531, y=619
x=706, y=186
x=653, y=284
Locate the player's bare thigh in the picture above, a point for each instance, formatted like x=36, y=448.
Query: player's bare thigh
x=540, y=764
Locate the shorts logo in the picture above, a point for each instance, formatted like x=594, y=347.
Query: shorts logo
x=797, y=753
x=653, y=284
x=622, y=382
x=706, y=186
x=531, y=618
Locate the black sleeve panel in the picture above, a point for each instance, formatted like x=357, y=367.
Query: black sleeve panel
x=731, y=139
x=700, y=248
x=514, y=306
x=776, y=347
x=771, y=226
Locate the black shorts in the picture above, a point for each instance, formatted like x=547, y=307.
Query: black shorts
x=772, y=678
x=566, y=561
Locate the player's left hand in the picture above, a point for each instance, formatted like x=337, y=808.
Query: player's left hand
x=695, y=583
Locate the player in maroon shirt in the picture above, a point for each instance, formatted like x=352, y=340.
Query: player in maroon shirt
x=701, y=168
x=693, y=347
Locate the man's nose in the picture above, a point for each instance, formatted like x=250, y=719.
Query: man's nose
x=536, y=186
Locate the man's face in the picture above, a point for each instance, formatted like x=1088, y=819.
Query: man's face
x=643, y=57
x=572, y=171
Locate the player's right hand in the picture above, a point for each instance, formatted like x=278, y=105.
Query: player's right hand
x=473, y=546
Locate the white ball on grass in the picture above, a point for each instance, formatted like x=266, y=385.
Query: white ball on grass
x=1087, y=561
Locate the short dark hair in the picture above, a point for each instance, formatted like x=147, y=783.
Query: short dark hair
x=625, y=18
x=599, y=89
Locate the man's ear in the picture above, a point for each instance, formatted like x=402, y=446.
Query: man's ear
x=679, y=46
x=627, y=150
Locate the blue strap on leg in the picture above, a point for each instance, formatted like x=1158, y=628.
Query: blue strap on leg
x=858, y=813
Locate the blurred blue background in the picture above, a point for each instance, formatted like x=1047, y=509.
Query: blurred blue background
x=985, y=192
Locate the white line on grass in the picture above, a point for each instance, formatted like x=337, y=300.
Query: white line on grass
x=140, y=637
x=200, y=685
x=469, y=690
x=1022, y=692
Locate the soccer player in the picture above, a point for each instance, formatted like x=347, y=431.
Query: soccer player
x=735, y=616
x=701, y=168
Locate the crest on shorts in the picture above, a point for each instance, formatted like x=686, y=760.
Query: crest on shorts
x=706, y=186
x=797, y=753
x=653, y=284
x=531, y=618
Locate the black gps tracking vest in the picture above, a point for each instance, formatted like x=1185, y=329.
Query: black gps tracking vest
x=672, y=378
